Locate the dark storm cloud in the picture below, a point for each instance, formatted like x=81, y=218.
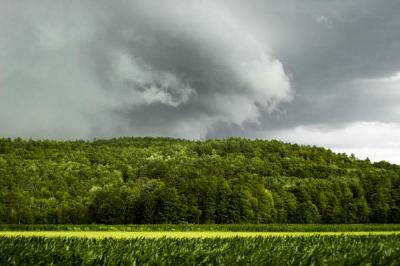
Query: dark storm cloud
x=361, y=40
x=195, y=69
x=337, y=54
x=106, y=68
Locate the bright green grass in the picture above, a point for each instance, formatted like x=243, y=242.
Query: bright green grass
x=183, y=234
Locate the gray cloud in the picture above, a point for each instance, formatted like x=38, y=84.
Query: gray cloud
x=360, y=42
x=195, y=69
x=327, y=60
x=86, y=69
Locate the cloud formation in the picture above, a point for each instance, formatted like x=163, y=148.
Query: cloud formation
x=200, y=69
x=97, y=69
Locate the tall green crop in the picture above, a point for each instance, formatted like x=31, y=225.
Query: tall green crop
x=316, y=250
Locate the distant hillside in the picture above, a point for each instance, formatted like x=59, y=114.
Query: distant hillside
x=162, y=180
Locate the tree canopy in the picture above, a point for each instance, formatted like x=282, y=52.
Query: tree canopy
x=164, y=180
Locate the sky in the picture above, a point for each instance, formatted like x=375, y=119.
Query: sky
x=315, y=72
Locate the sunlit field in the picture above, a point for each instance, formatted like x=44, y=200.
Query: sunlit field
x=197, y=231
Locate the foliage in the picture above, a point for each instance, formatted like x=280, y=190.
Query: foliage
x=162, y=180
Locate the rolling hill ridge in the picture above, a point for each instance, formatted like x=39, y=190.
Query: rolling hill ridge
x=164, y=180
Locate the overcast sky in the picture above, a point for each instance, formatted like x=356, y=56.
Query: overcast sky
x=324, y=73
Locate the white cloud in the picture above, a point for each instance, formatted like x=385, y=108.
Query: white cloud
x=375, y=140
x=323, y=20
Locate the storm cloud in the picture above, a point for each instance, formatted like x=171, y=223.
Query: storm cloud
x=200, y=69
x=94, y=68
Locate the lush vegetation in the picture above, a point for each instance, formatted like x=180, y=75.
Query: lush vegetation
x=207, y=227
x=316, y=250
x=159, y=180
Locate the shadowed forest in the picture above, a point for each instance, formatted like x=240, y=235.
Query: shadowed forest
x=163, y=180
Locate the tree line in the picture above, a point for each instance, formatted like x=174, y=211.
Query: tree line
x=164, y=180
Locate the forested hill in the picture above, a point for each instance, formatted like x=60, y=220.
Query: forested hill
x=162, y=180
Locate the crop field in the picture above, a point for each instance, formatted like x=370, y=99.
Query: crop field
x=200, y=244
x=184, y=234
x=301, y=250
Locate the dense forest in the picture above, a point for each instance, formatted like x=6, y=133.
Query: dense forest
x=163, y=180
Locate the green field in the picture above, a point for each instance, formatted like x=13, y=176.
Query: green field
x=310, y=250
x=237, y=244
